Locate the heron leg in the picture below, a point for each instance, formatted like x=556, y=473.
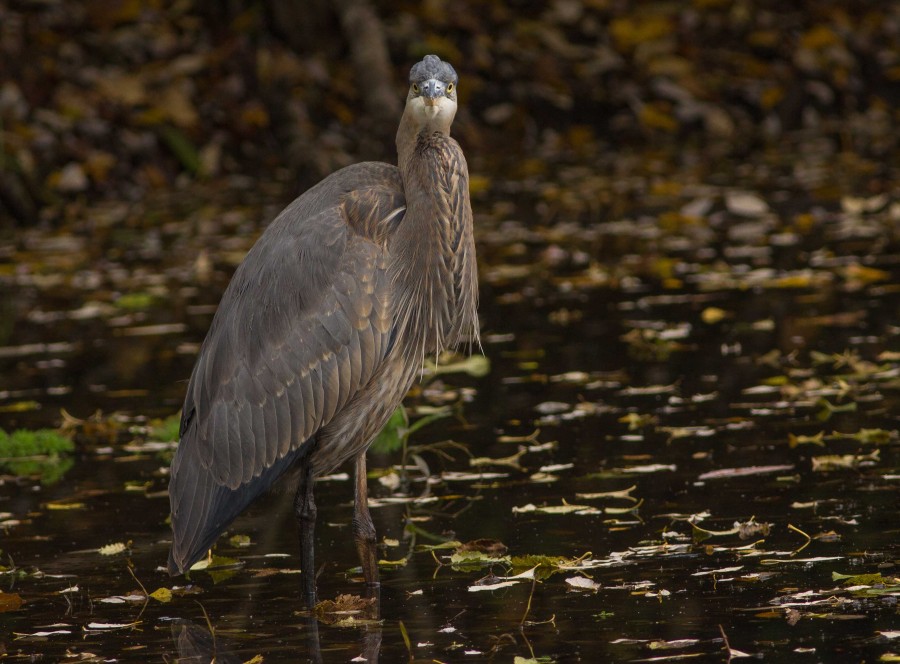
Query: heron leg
x=363, y=528
x=305, y=511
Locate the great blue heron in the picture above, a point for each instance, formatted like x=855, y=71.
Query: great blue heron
x=323, y=329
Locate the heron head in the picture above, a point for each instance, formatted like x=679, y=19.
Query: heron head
x=432, y=94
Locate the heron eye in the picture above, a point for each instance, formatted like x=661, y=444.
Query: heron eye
x=415, y=88
x=450, y=88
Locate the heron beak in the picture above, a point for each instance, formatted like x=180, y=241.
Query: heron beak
x=433, y=91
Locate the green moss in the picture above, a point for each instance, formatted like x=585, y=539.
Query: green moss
x=136, y=301
x=26, y=443
x=40, y=453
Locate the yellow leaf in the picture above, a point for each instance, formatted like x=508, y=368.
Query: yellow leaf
x=654, y=117
x=64, y=506
x=771, y=97
x=255, y=115
x=712, y=315
x=865, y=275
x=111, y=549
x=818, y=439
x=162, y=595
x=819, y=37
x=630, y=31
x=98, y=164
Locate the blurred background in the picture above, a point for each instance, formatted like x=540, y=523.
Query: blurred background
x=130, y=103
x=145, y=144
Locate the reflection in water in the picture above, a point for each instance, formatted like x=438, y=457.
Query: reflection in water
x=195, y=644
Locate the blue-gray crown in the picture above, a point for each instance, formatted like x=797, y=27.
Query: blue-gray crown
x=432, y=66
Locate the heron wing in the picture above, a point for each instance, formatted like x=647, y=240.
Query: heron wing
x=303, y=325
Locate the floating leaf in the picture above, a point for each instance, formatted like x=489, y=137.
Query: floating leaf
x=112, y=549
x=818, y=439
x=713, y=315
x=645, y=469
x=565, y=508
x=624, y=494
x=582, y=583
x=240, y=540
x=476, y=559
x=216, y=563
x=636, y=421
x=347, y=611
x=492, y=586
x=723, y=570
x=672, y=645
x=842, y=461
x=103, y=626
x=9, y=602
x=512, y=460
x=162, y=595
x=746, y=471
x=827, y=409
x=869, y=436
x=744, y=530
x=490, y=547
x=858, y=579
x=124, y=599
x=136, y=301
x=62, y=506
x=393, y=564
x=475, y=365
x=543, y=566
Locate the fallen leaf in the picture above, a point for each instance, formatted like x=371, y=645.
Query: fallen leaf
x=744, y=472
x=9, y=602
x=162, y=595
x=111, y=549
x=582, y=583
x=745, y=204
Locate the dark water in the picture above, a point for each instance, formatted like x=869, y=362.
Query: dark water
x=621, y=370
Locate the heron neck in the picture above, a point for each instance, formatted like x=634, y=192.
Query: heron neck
x=411, y=129
x=427, y=242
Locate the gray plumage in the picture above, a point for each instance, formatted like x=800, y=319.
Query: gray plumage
x=430, y=67
x=325, y=326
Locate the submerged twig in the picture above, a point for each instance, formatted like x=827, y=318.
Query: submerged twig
x=528, y=605
x=805, y=544
x=732, y=653
x=143, y=590
x=725, y=639
x=212, y=630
